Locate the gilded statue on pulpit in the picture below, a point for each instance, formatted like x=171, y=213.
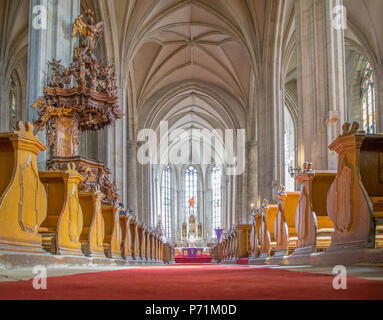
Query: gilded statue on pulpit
x=88, y=32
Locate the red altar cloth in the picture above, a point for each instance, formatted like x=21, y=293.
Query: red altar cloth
x=196, y=258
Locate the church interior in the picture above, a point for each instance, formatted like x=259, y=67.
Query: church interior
x=233, y=147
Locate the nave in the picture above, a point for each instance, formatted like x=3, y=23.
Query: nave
x=195, y=282
x=139, y=134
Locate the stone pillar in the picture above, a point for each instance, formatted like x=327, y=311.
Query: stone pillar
x=47, y=41
x=321, y=80
x=252, y=181
x=353, y=77
x=132, y=176
x=379, y=98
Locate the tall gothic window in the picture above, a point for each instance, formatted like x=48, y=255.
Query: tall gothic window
x=12, y=107
x=216, y=184
x=368, y=99
x=166, y=202
x=191, y=200
x=289, y=141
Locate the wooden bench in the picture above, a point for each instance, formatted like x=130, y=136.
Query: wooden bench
x=93, y=232
x=231, y=246
x=216, y=252
x=154, y=246
x=126, y=244
x=254, y=241
x=271, y=211
x=23, y=199
x=135, y=240
x=371, y=172
x=284, y=228
x=62, y=227
x=157, y=248
x=355, y=196
x=224, y=248
x=263, y=221
x=113, y=233
x=314, y=227
x=147, y=243
x=377, y=205
x=243, y=240
x=151, y=241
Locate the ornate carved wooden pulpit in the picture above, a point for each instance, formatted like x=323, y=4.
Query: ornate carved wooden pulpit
x=80, y=97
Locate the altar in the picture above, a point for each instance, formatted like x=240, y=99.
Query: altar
x=192, y=255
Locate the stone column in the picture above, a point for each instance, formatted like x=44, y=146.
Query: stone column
x=50, y=28
x=132, y=176
x=379, y=98
x=252, y=178
x=321, y=80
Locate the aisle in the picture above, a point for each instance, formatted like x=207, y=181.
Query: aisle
x=198, y=282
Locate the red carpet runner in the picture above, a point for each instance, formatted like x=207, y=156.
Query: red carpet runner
x=197, y=282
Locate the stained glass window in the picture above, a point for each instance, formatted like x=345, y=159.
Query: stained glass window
x=216, y=181
x=191, y=200
x=368, y=99
x=289, y=141
x=166, y=202
x=12, y=108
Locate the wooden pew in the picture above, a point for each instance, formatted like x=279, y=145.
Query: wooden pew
x=354, y=198
x=93, y=232
x=224, y=248
x=230, y=246
x=113, y=233
x=141, y=242
x=243, y=240
x=377, y=205
x=166, y=253
x=156, y=241
x=313, y=225
x=156, y=258
x=271, y=211
x=158, y=248
x=262, y=241
x=161, y=251
x=284, y=227
x=127, y=242
x=216, y=253
x=254, y=236
x=135, y=239
x=147, y=243
x=371, y=172
x=144, y=243
x=151, y=242
x=233, y=245
x=62, y=227
x=254, y=241
x=23, y=199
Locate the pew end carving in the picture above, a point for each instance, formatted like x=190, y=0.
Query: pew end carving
x=23, y=199
x=113, y=233
x=92, y=235
x=349, y=203
x=63, y=225
x=313, y=225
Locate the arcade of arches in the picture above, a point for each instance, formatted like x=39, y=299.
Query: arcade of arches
x=241, y=103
